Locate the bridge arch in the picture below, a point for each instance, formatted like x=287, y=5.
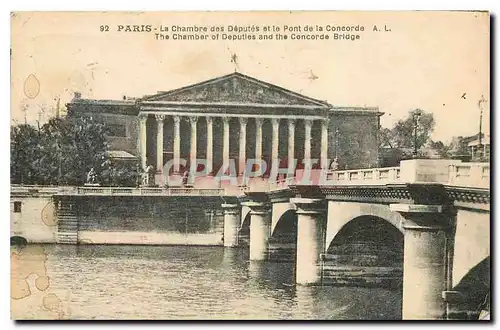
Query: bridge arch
x=244, y=231
x=474, y=289
x=368, y=243
x=279, y=211
x=283, y=236
x=286, y=225
x=372, y=229
x=341, y=213
x=245, y=216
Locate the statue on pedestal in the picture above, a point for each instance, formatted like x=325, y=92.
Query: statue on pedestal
x=91, y=177
x=148, y=178
x=334, y=165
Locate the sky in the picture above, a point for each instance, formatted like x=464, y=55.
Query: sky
x=435, y=61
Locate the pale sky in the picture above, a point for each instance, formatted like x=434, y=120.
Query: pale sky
x=429, y=60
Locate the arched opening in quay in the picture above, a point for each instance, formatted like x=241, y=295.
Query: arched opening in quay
x=18, y=241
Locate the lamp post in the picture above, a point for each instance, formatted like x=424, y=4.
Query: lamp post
x=336, y=143
x=416, y=117
x=480, y=138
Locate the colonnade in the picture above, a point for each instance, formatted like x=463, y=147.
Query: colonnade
x=259, y=139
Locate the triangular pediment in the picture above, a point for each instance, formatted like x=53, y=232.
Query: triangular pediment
x=235, y=88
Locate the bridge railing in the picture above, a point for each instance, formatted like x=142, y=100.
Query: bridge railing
x=18, y=189
x=444, y=171
x=365, y=176
x=150, y=191
x=450, y=172
x=115, y=191
x=469, y=175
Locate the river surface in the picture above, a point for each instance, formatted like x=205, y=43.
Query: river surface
x=179, y=282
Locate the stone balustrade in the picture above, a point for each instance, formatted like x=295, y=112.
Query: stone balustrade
x=470, y=175
x=444, y=171
x=365, y=176
x=115, y=191
x=448, y=172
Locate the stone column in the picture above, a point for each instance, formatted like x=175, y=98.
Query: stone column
x=258, y=138
x=177, y=144
x=307, y=138
x=159, y=143
x=143, y=139
x=243, y=145
x=231, y=224
x=310, y=239
x=324, y=143
x=192, y=156
x=291, y=144
x=260, y=229
x=225, y=147
x=275, y=145
x=424, y=274
x=210, y=144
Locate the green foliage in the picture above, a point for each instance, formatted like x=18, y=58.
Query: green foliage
x=459, y=148
x=120, y=174
x=443, y=150
x=62, y=152
x=402, y=135
x=24, y=148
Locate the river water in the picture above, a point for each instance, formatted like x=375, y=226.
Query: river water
x=179, y=282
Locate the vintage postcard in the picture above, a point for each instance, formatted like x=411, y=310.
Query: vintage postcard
x=250, y=165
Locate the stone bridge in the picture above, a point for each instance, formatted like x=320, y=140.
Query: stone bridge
x=426, y=223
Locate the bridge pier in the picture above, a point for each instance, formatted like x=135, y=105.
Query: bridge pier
x=260, y=229
x=425, y=260
x=231, y=224
x=310, y=239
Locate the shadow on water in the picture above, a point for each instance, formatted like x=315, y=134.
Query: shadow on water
x=271, y=275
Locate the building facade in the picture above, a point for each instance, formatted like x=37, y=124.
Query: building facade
x=236, y=117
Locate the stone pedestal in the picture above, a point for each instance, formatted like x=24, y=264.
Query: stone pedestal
x=424, y=276
x=310, y=239
x=231, y=224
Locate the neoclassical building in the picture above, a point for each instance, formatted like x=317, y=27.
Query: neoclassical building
x=236, y=117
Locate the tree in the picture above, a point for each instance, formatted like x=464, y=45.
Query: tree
x=403, y=133
x=459, y=147
x=443, y=150
x=386, y=139
x=23, y=149
x=398, y=142
x=62, y=151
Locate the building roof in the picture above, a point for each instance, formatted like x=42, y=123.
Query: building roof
x=235, y=91
x=236, y=88
x=484, y=141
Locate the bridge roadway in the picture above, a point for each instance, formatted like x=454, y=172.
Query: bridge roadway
x=441, y=208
